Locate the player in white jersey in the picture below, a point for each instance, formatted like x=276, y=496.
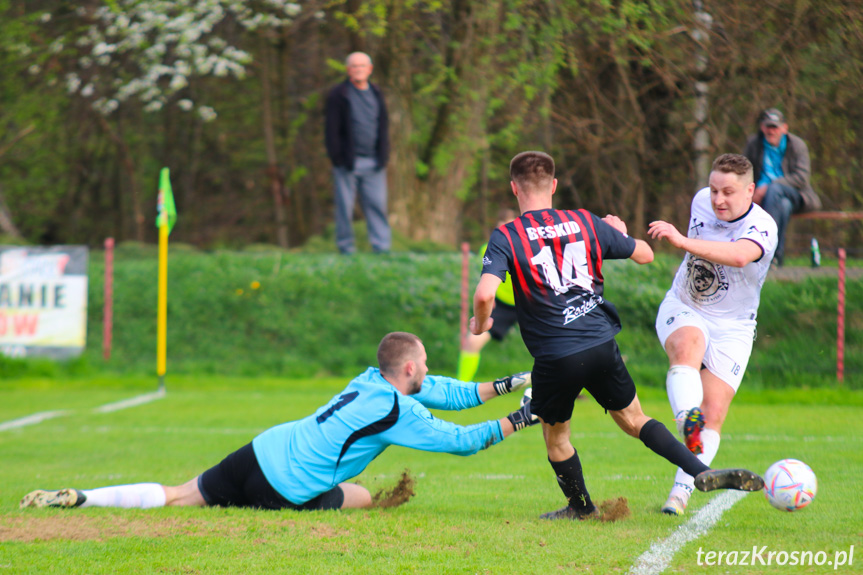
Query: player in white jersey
x=706, y=323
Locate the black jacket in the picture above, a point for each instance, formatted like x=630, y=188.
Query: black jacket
x=340, y=147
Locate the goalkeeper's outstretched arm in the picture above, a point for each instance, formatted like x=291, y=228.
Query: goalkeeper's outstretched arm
x=449, y=394
x=504, y=385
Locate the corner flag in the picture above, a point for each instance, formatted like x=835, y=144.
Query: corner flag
x=167, y=215
x=167, y=211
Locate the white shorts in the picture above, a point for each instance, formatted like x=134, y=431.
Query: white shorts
x=729, y=343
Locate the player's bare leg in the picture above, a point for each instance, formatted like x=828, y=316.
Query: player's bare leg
x=185, y=495
x=631, y=418
x=717, y=399
x=356, y=496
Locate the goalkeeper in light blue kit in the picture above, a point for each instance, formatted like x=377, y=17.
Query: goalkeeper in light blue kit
x=304, y=464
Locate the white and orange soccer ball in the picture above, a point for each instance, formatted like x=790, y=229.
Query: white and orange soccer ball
x=790, y=485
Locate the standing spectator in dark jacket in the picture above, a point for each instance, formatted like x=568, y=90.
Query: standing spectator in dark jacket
x=781, y=162
x=358, y=145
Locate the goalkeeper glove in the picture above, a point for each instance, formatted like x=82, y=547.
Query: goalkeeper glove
x=522, y=417
x=512, y=383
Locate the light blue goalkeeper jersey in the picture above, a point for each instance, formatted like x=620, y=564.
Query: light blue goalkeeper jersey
x=302, y=459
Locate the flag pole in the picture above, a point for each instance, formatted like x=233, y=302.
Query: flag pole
x=162, y=313
x=165, y=221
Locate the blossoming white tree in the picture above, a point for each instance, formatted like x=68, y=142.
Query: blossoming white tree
x=150, y=51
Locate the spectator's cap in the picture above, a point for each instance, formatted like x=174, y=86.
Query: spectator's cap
x=772, y=117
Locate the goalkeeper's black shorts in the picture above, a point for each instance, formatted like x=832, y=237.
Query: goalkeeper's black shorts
x=239, y=482
x=600, y=370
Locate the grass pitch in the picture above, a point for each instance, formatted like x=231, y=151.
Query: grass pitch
x=470, y=515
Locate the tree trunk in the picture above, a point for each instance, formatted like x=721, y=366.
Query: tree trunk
x=7, y=224
x=427, y=204
x=129, y=166
x=274, y=175
x=701, y=139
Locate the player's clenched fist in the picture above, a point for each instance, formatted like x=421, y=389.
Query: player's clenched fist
x=477, y=329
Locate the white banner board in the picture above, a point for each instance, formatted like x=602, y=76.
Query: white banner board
x=43, y=301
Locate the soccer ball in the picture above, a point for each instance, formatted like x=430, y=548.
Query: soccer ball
x=790, y=485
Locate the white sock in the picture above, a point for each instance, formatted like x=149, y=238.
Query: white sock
x=710, y=445
x=683, y=385
x=138, y=496
x=684, y=484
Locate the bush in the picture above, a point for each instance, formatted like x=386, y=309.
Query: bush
x=275, y=312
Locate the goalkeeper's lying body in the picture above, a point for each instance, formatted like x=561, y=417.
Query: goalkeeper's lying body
x=305, y=464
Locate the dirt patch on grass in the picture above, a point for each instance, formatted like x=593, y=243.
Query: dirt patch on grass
x=612, y=510
x=323, y=530
x=399, y=494
x=84, y=528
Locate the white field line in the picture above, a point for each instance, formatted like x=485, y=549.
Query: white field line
x=31, y=419
x=131, y=402
x=35, y=418
x=657, y=559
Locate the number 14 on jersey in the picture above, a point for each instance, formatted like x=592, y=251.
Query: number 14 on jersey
x=573, y=271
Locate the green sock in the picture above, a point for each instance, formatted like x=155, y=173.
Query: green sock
x=468, y=363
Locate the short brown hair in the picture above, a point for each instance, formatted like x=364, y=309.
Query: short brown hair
x=396, y=348
x=733, y=164
x=532, y=170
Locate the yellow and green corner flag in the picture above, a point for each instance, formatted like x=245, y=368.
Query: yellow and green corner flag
x=167, y=215
x=166, y=206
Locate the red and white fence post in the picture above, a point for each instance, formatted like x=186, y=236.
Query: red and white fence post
x=840, y=320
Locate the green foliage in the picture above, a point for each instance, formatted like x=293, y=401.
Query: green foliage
x=606, y=86
x=368, y=17
x=279, y=312
x=268, y=311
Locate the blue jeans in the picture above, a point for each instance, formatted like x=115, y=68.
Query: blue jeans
x=371, y=184
x=780, y=201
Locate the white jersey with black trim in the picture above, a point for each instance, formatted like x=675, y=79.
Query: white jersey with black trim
x=716, y=290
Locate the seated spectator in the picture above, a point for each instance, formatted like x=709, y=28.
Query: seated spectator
x=782, y=169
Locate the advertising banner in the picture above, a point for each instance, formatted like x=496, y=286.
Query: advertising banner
x=43, y=301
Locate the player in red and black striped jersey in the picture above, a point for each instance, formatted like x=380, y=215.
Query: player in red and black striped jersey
x=557, y=256
x=555, y=260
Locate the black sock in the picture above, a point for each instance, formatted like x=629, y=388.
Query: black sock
x=657, y=437
x=571, y=481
